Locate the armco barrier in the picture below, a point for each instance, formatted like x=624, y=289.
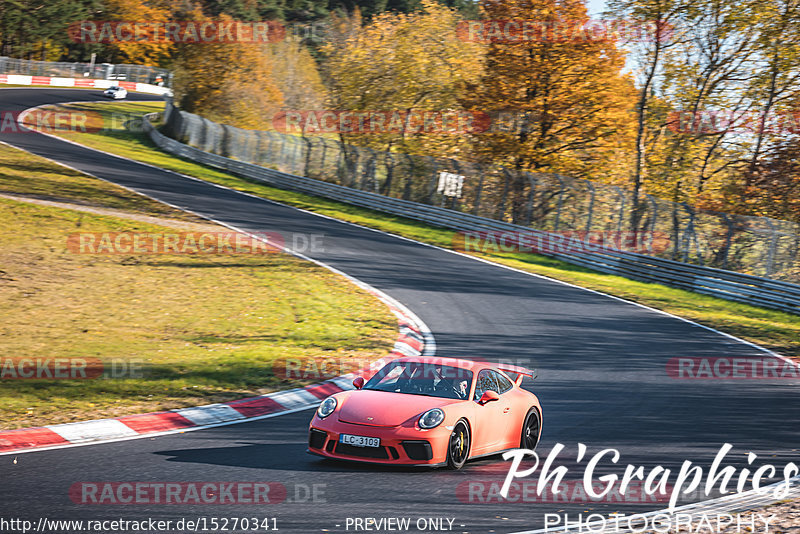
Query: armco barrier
x=716, y=282
x=544, y=200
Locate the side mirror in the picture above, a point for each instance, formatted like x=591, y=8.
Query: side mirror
x=359, y=382
x=488, y=396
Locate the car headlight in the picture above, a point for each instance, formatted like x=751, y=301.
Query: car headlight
x=327, y=407
x=431, y=418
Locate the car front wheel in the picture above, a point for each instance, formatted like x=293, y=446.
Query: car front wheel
x=458, y=447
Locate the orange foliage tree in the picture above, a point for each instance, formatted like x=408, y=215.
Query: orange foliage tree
x=230, y=83
x=139, y=51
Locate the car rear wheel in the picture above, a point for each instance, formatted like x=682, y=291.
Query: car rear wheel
x=458, y=447
x=531, y=430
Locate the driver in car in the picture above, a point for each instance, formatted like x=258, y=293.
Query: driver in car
x=444, y=383
x=462, y=388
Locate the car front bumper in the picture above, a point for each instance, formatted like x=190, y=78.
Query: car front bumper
x=398, y=445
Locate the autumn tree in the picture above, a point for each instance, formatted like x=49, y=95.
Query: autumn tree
x=723, y=76
x=231, y=83
x=706, y=57
x=295, y=73
x=571, y=104
x=404, y=62
x=771, y=186
x=775, y=184
x=778, y=71
x=313, y=10
x=648, y=55
x=150, y=51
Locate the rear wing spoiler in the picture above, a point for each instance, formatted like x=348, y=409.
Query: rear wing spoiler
x=521, y=372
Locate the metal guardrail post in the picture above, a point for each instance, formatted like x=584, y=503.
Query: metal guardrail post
x=560, y=201
x=531, y=194
x=434, y=178
x=501, y=207
x=728, y=239
x=370, y=180
x=591, y=208
x=654, y=218
x=459, y=170
x=309, y=148
x=621, y=212
x=476, y=205
x=389, y=163
x=768, y=266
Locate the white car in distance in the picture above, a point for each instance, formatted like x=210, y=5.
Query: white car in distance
x=116, y=92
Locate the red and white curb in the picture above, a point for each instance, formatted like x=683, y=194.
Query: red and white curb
x=52, y=81
x=410, y=341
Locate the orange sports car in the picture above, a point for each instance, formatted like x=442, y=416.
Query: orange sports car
x=428, y=411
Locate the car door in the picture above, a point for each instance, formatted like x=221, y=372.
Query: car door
x=487, y=433
x=509, y=427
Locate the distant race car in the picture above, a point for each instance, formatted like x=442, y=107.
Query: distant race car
x=116, y=92
x=428, y=411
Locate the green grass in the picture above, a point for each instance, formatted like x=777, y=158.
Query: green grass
x=25, y=174
x=204, y=328
x=772, y=329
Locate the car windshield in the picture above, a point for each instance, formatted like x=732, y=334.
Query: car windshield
x=417, y=378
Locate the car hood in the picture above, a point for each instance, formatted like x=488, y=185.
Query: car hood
x=386, y=408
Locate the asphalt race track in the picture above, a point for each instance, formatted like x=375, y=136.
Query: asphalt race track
x=601, y=363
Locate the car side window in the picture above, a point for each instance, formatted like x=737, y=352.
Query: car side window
x=486, y=381
x=502, y=382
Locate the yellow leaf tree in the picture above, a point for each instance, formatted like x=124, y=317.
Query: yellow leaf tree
x=407, y=63
x=144, y=51
x=296, y=74
x=230, y=83
x=567, y=107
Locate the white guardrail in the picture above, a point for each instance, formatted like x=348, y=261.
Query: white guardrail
x=727, y=285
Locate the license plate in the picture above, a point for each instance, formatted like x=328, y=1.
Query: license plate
x=359, y=441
